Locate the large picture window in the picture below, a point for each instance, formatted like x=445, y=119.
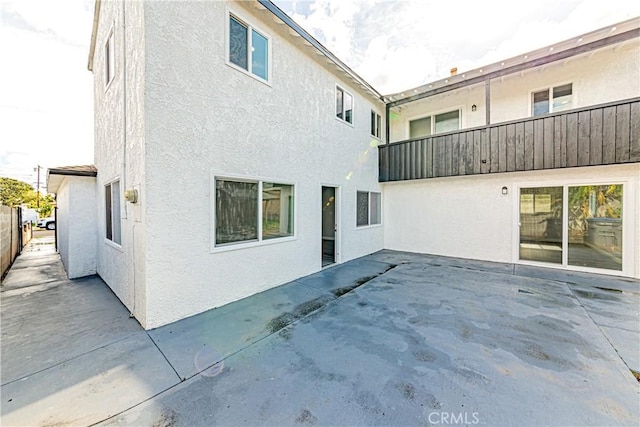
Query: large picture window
x=248, y=48
x=112, y=212
x=368, y=208
x=252, y=211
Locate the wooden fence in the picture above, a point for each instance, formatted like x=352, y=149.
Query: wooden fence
x=13, y=236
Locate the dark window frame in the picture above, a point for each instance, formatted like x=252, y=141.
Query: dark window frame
x=342, y=113
x=376, y=124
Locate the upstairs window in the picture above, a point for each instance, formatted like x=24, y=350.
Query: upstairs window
x=438, y=123
x=447, y=122
x=369, y=208
x=248, y=48
x=552, y=100
x=109, y=60
x=420, y=127
x=112, y=212
x=344, y=105
x=376, y=121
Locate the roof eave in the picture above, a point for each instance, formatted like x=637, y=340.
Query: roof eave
x=271, y=7
x=94, y=33
x=492, y=71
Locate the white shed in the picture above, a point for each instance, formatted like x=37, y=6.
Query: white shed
x=75, y=189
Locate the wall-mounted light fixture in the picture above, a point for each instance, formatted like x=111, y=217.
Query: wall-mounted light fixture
x=131, y=196
x=473, y=107
x=505, y=191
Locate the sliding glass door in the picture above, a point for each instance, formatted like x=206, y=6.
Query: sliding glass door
x=541, y=212
x=570, y=225
x=595, y=226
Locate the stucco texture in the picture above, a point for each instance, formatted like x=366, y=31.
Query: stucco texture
x=469, y=217
x=119, y=149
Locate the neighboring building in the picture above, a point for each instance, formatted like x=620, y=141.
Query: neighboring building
x=531, y=160
x=235, y=153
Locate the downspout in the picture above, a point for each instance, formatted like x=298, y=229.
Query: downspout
x=124, y=138
x=124, y=103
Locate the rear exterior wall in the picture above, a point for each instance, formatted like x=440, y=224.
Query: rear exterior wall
x=206, y=119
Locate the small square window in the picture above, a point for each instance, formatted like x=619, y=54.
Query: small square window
x=376, y=121
x=368, y=208
x=552, y=100
x=248, y=48
x=344, y=105
x=420, y=127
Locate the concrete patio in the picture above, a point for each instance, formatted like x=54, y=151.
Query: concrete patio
x=388, y=339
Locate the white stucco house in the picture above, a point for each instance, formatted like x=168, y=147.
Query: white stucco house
x=235, y=153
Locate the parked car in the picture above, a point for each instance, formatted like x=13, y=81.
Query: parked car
x=48, y=223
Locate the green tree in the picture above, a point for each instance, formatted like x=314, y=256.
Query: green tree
x=14, y=192
x=17, y=193
x=46, y=205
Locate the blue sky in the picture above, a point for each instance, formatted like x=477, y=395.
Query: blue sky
x=46, y=98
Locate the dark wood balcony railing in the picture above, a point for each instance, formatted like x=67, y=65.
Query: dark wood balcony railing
x=596, y=135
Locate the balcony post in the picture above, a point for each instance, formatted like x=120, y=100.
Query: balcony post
x=487, y=101
x=386, y=122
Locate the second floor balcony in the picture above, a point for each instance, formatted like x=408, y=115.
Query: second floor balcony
x=591, y=136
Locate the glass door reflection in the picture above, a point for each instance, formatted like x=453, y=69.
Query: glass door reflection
x=541, y=211
x=595, y=226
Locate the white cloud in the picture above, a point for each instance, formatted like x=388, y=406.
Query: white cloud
x=396, y=45
x=46, y=106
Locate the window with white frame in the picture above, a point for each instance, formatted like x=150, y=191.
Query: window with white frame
x=344, y=105
x=437, y=123
x=109, y=59
x=248, y=48
x=376, y=121
x=552, y=100
x=112, y=212
x=369, y=208
x=252, y=211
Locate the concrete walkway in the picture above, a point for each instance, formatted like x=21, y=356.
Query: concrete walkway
x=388, y=339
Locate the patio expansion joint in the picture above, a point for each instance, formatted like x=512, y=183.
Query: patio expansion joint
x=291, y=318
x=197, y=374
x=332, y=298
x=180, y=379
x=598, y=326
x=71, y=358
